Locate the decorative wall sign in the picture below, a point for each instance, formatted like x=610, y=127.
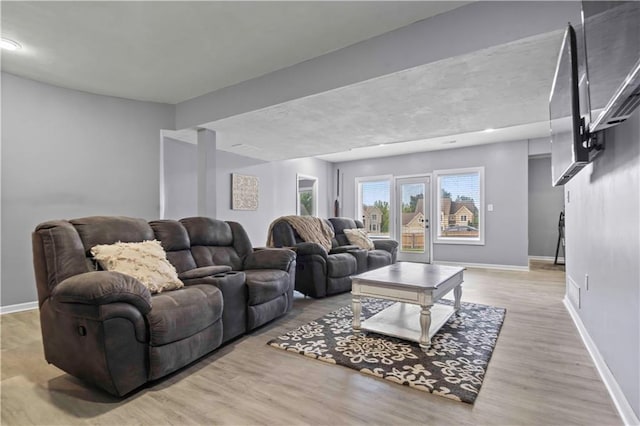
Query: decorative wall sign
x=244, y=192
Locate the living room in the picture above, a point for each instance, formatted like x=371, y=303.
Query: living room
x=72, y=151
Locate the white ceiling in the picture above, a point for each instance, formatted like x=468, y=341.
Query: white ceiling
x=173, y=51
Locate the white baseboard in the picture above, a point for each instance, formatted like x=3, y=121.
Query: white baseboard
x=546, y=258
x=484, y=265
x=624, y=408
x=19, y=307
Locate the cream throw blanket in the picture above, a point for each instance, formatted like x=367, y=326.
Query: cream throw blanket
x=311, y=229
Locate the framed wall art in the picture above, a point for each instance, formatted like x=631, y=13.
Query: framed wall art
x=244, y=192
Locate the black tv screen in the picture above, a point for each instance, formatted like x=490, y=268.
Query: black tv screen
x=568, y=153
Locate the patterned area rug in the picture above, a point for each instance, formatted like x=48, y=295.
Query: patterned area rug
x=453, y=367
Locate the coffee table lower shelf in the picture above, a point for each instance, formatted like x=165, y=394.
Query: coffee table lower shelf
x=402, y=320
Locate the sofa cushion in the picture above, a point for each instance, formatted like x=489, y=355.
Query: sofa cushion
x=216, y=255
x=145, y=261
x=378, y=259
x=359, y=238
x=341, y=265
x=96, y=230
x=172, y=234
x=204, y=231
x=266, y=284
x=179, y=314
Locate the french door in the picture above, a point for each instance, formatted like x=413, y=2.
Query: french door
x=412, y=218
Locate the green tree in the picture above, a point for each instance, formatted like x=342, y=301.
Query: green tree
x=306, y=203
x=445, y=194
x=413, y=203
x=384, y=209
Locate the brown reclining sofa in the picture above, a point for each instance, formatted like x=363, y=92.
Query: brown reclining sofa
x=107, y=329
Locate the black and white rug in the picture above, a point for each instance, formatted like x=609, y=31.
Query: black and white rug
x=454, y=366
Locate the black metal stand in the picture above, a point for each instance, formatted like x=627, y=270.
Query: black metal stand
x=560, y=239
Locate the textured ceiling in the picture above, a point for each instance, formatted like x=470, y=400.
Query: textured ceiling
x=501, y=87
x=173, y=51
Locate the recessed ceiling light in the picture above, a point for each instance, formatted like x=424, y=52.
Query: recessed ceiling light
x=382, y=144
x=7, y=44
x=489, y=130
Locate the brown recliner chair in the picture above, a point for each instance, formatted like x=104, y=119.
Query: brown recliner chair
x=107, y=329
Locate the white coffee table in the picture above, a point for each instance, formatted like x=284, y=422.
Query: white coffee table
x=417, y=286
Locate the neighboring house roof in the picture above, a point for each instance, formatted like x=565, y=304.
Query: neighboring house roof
x=412, y=218
x=452, y=207
x=470, y=205
x=407, y=217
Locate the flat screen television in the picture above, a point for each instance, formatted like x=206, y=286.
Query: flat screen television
x=611, y=31
x=569, y=151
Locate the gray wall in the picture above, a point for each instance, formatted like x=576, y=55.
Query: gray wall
x=545, y=204
x=277, y=196
x=466, y=29
x=603, y=241
x=180, y=179
x=505, y=187
x=68, y=154
x=277, y=183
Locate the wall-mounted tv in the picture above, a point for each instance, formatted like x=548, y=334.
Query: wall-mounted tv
x=611, y=31
x=569, y=152
x=596, y=85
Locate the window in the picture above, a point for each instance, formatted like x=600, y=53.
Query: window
x=307, y=203
x=460, y=202
x=373, y=204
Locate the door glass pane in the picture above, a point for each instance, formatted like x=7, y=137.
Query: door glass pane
x=413, y=218
x=375, y=196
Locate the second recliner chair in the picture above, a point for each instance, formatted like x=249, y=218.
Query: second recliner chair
x=320, y=273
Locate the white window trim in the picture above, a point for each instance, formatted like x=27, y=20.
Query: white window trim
x=358, y=212
x=480, y=241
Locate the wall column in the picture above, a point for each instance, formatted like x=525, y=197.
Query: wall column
x=206, y=173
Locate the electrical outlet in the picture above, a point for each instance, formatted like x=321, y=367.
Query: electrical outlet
x=586, y=282
x=490, y=207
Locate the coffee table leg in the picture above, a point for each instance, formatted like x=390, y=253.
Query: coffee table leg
x=425, y=324
x=356, y=307
x=457, y=294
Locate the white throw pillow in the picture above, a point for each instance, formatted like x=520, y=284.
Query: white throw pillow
x=146, y=261
x=359, y=238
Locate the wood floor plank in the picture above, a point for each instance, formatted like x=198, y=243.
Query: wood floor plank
x=540, y=373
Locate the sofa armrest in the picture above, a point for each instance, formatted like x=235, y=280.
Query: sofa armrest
x=205, y=271
x=306, y=249
x=271, y=258
x=344, y=249
x=388, y=245
x=101, y=288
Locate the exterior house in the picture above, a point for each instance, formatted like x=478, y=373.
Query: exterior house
x=372, y=218
x=413, y=229
x=457, y=213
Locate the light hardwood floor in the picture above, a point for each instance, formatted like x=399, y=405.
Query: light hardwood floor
x=540, y=374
